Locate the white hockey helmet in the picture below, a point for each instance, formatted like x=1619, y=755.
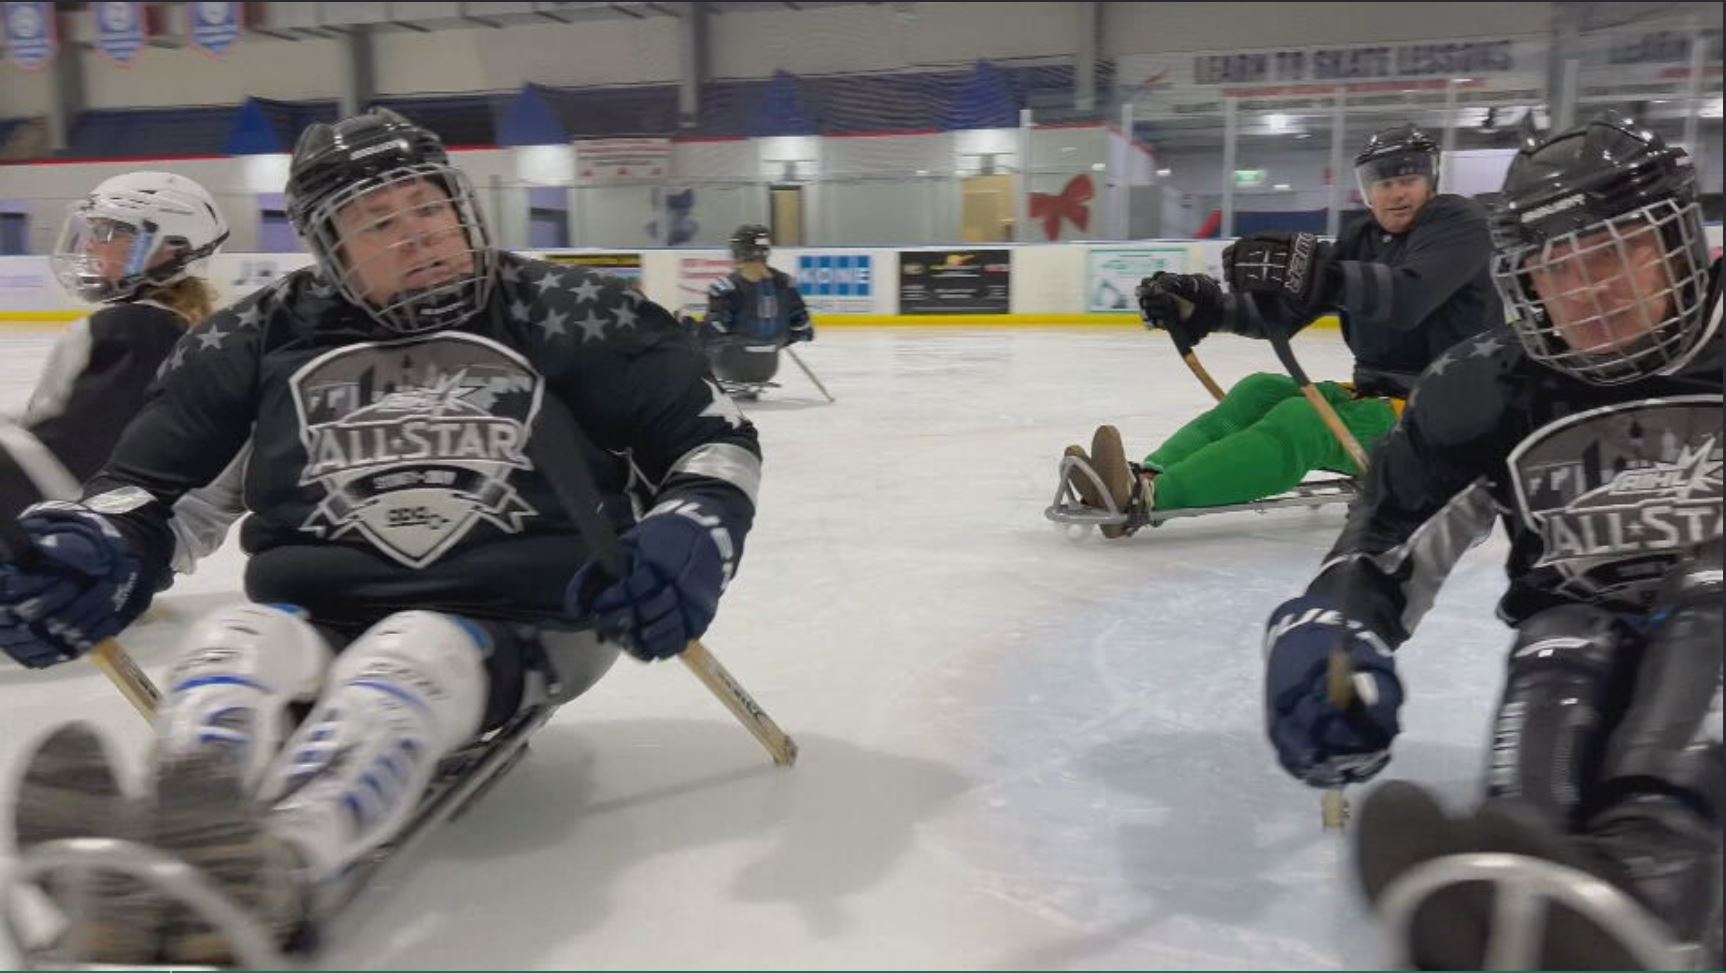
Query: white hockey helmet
x=135, y=231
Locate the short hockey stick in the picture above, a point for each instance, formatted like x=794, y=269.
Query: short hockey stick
x=1339, y=675
x=809, y=373
x=568, y=475
x=1192, y=359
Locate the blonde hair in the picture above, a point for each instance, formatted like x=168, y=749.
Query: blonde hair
x=191, y=297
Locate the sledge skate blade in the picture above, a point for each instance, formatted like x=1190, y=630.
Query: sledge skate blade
x=178, y=881
x=1524, y=891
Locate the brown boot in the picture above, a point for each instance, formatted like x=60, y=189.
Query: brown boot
x=1109, y=459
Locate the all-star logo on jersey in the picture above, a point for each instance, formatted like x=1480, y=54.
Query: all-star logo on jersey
x=1616, y=493
x=414, y=440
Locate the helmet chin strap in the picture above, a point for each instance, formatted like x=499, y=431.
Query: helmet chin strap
x=454, y=305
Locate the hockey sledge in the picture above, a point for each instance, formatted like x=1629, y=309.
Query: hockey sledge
x=743, y=366
x=1068, y=509
x=462, y=779
x=1524, y=892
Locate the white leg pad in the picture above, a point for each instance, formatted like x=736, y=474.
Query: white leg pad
x=232, y=682
x=401, y=697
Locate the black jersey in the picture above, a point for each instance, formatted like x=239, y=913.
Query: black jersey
x=764, y=310
x=94, y=382
x=1405, y=298
x=392, y=472
x=1600, y=488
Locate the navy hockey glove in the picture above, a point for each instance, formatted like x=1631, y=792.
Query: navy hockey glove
x=77, y=584
x=1289, y=267
x=1188, y=306
x=680, y=561
x=1315, y=741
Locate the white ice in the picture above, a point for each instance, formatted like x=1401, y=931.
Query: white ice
x=1020, y=748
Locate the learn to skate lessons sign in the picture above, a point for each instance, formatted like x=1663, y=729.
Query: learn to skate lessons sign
x=955, y=281
x=837, y=283
x=1115, y=274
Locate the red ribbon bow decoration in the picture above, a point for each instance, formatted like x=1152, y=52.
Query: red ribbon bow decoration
x=1068, y=204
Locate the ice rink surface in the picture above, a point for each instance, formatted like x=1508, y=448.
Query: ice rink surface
x=1021, y=747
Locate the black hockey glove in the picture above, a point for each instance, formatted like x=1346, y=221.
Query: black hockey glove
x=1287, y=267
x=1188, y=306
x=1315, y=741
x=78, y=584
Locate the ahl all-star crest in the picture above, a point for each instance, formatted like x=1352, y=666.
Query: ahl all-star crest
x=1616, y=493
x=414, y=441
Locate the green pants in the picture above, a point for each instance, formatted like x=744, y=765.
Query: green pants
x=1261, y=440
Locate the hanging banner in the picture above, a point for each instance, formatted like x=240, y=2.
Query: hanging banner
x=1115, y=274
x=30, y=34
x=1369, y=77
x=600, y=162
x=955, y=281
x=119, y=30
x=213, y=27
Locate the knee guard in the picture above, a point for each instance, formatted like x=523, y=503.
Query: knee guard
x=401, y=697
x=1561, y=696
x=232, y=684
x=1669, y=740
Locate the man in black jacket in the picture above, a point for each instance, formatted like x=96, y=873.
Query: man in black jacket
x=1408, y=283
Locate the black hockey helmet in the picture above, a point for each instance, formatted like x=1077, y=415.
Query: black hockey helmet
x=335, y=164
x=751, y=241
x=1402, y=150
x=1602, y=223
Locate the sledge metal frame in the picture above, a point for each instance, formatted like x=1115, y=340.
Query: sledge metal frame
x=1067, y=508
x=1524, y=891
x=463, y=778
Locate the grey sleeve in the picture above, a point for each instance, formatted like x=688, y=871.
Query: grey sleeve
x=202, y=517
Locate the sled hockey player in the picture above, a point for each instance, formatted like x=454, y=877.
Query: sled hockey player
x=1595, y=434
x=136, y=245
x=412, y=576
x=1408, y=283
x=751, y=314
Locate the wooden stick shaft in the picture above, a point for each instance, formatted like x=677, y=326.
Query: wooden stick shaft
x=1333, y=422
x=736, y=699
x=1202, y=375
x=124, y=673
x=573, y=484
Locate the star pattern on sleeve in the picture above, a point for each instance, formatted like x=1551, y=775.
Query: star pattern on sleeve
x=211, y=338
x=1486, y=348
x=552, y=323
x=598, y=308
x=586, y=292
x=551, y=279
